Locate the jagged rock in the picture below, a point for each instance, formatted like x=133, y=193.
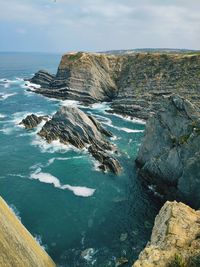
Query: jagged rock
x=121, y=261
x=18, y=247
x=72, y=126
x=32, y=121
x=175, y=233
x=135, y=82
x=169, y=154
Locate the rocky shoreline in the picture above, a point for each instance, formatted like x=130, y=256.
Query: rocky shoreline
x=71, y=126
x=135, y=83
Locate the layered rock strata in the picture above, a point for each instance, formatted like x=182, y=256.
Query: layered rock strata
x=135, y=82
x=71, y=126
x=175, y=238
x=18, y=247
x=169, y=154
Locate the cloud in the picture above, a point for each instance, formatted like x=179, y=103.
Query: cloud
x=102, y=24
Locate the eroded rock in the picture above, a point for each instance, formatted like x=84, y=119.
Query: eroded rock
x=72, y=126
x=175, y=233
x=32, y=121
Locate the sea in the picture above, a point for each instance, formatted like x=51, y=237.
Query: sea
x=79, y=215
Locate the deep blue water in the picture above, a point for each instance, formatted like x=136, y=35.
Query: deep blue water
x=31, y=171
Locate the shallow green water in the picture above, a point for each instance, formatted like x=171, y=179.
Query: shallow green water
x=63, y=222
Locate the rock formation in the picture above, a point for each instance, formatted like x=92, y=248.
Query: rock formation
x=169, y=155
x=72, y=126
x=32, y=121
x=135, y=82
x=18, y=247
x=174, y=239
x=80, y=76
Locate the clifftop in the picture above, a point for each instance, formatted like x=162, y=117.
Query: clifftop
x=18, y=247
x=175, y=238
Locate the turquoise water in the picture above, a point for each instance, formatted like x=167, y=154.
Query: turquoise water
x=63, y=222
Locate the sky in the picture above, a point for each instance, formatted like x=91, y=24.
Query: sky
x=98, y=25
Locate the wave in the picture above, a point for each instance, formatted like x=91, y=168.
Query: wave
x=7, y=131
x=130, y=119
x=5, y=96
x=54, y=146
x=128, y=130
x=27, y=84
x=38, y=239
x=52, y=160
x=101, y=106
x=2, y=116
x=81, y=191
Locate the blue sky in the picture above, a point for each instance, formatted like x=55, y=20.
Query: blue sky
x=94, y=25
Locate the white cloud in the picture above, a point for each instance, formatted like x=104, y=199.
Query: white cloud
x=106, y=24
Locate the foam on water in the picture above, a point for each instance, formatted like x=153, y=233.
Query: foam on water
x=130, y=119
x=27, y=84
x=2, y=116
x=5, y=96
x=15, y=211
x=54, y=146
x=52, y=160
x=50, y=179
x=128, y=130
x=101, y=106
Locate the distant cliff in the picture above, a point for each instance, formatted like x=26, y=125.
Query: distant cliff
x=175, y=238
x=134, y=82
x=169, y=154
x=17, y=247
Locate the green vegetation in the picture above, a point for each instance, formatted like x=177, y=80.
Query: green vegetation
x=75, y=56
x=183, y=139
x=179, y=261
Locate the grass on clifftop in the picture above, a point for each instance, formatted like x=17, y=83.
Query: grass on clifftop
x=179, y=261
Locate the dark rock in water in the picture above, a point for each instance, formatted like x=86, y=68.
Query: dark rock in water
x=72, y=126
x=42, y=78
x=32, y=121
x=169, y=155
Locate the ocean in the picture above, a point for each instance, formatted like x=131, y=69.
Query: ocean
x=98, y=218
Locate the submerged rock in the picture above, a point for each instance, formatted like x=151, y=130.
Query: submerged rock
x=32, y=121
x=175, y=236
x=18, y=247
x=121, y=262
x=169, y=154
x=72, y=126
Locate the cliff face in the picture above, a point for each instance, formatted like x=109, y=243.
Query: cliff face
x=174, y=240
x=17, y=247
x=169, y=154
x=134, y=82
x=81, y=76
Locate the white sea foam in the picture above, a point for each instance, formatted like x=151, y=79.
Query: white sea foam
x=101, y=106
x=130, y=119
x=15, y=211
x=7, y=131
x=69, y=103
x=38, y=239
x=128, y=130
x=52, y=160
x=2, y=116
x=5, y=96
x=30, y=85
x=54, y=146
x=50, y=179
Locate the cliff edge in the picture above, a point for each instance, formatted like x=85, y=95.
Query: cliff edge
x=17, y=247
x=174, y=240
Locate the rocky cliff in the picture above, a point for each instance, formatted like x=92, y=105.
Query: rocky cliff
x=169, y=154
x=135, y=83
x=175, y=238
x=18, y=247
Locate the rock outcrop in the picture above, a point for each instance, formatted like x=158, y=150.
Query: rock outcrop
x=174, y=239
x=86, y=77
x=72, y=126
x=18, y=247
x=32, y=121
x=135, y=82
x=169, y=155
